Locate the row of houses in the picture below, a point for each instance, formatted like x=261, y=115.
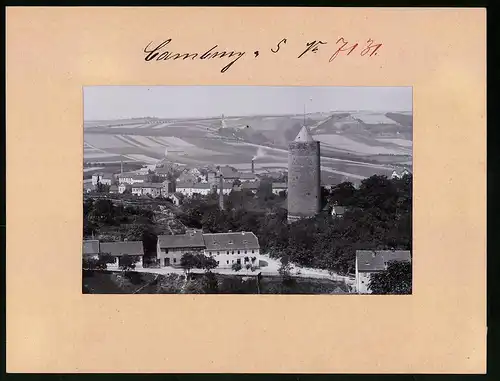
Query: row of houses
x=226, y=248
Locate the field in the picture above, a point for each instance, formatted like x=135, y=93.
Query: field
x=354, y=145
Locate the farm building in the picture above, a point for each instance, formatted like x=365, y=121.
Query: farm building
x=369, y=262
x=171, y=248
x=120, y=249
x=94, y=249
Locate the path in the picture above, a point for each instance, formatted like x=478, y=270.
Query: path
x=271, y=269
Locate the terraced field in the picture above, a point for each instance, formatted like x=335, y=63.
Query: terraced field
x=354, y=145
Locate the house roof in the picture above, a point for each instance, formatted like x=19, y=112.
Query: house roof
x=148, y=185
x=122, y=248
x=304, y=135
x=194, y=185
x=280, y=185
x=376, y=260
x=250, y=185
x=229, y=172
x=231, y=241
x=90, y=247
x=245, y=175
x=190, y=239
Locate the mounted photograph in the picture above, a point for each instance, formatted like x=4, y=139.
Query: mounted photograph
x=247, y=190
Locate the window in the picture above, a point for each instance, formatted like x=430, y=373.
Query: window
x=245, y=251
x=230, y=242
x=166, y=251
x=252, y=251
x=217, y=253
x=238, y=251
x=175, y=260
x=232, y=252
x=227, y=262
x=228, y=252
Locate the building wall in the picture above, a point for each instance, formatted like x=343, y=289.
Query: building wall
x=174, y=255
x=226, y=261
x=362, y=281
x=304, y=178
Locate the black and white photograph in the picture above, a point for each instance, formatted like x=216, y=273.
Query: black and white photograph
x=247, y=190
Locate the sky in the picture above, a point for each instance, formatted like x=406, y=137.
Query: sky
x=120, y=102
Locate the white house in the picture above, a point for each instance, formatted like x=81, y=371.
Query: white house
x=369, y=262
x=123, y=187
x=176, y=200
x=147, y=189
x=103, y=178
x=279, y=187
x=190, y=189
x=398, y=174
x=230, y=248
x=132, y=178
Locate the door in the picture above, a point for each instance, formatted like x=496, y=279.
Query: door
x=167, y=261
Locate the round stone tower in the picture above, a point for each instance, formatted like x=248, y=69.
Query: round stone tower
x=304, y=190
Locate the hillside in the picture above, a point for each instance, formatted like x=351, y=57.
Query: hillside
x=354, y=144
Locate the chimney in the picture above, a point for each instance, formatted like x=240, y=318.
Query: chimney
x=253, y=166
x=221, y=192
x=121, y=166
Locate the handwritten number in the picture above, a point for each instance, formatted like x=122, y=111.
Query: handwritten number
x=369, y=47
x=343, y=48
x=278, y=46
x=256, y=53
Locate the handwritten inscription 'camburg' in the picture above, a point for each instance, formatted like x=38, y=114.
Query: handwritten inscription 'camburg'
x=158, y=53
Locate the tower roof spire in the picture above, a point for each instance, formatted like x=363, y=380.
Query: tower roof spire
x=304, y=135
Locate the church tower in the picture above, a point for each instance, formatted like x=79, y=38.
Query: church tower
x=304, y=177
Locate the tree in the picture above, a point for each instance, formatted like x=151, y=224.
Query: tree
x=127, y=262
x=188, y=262
x=285, y=268
x=236, y=266
x=397, y=279
x=206, y=263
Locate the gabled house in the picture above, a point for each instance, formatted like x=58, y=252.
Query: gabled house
x=369, y=262
x=171, y=248
x=120, y=249
x=230, y=248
